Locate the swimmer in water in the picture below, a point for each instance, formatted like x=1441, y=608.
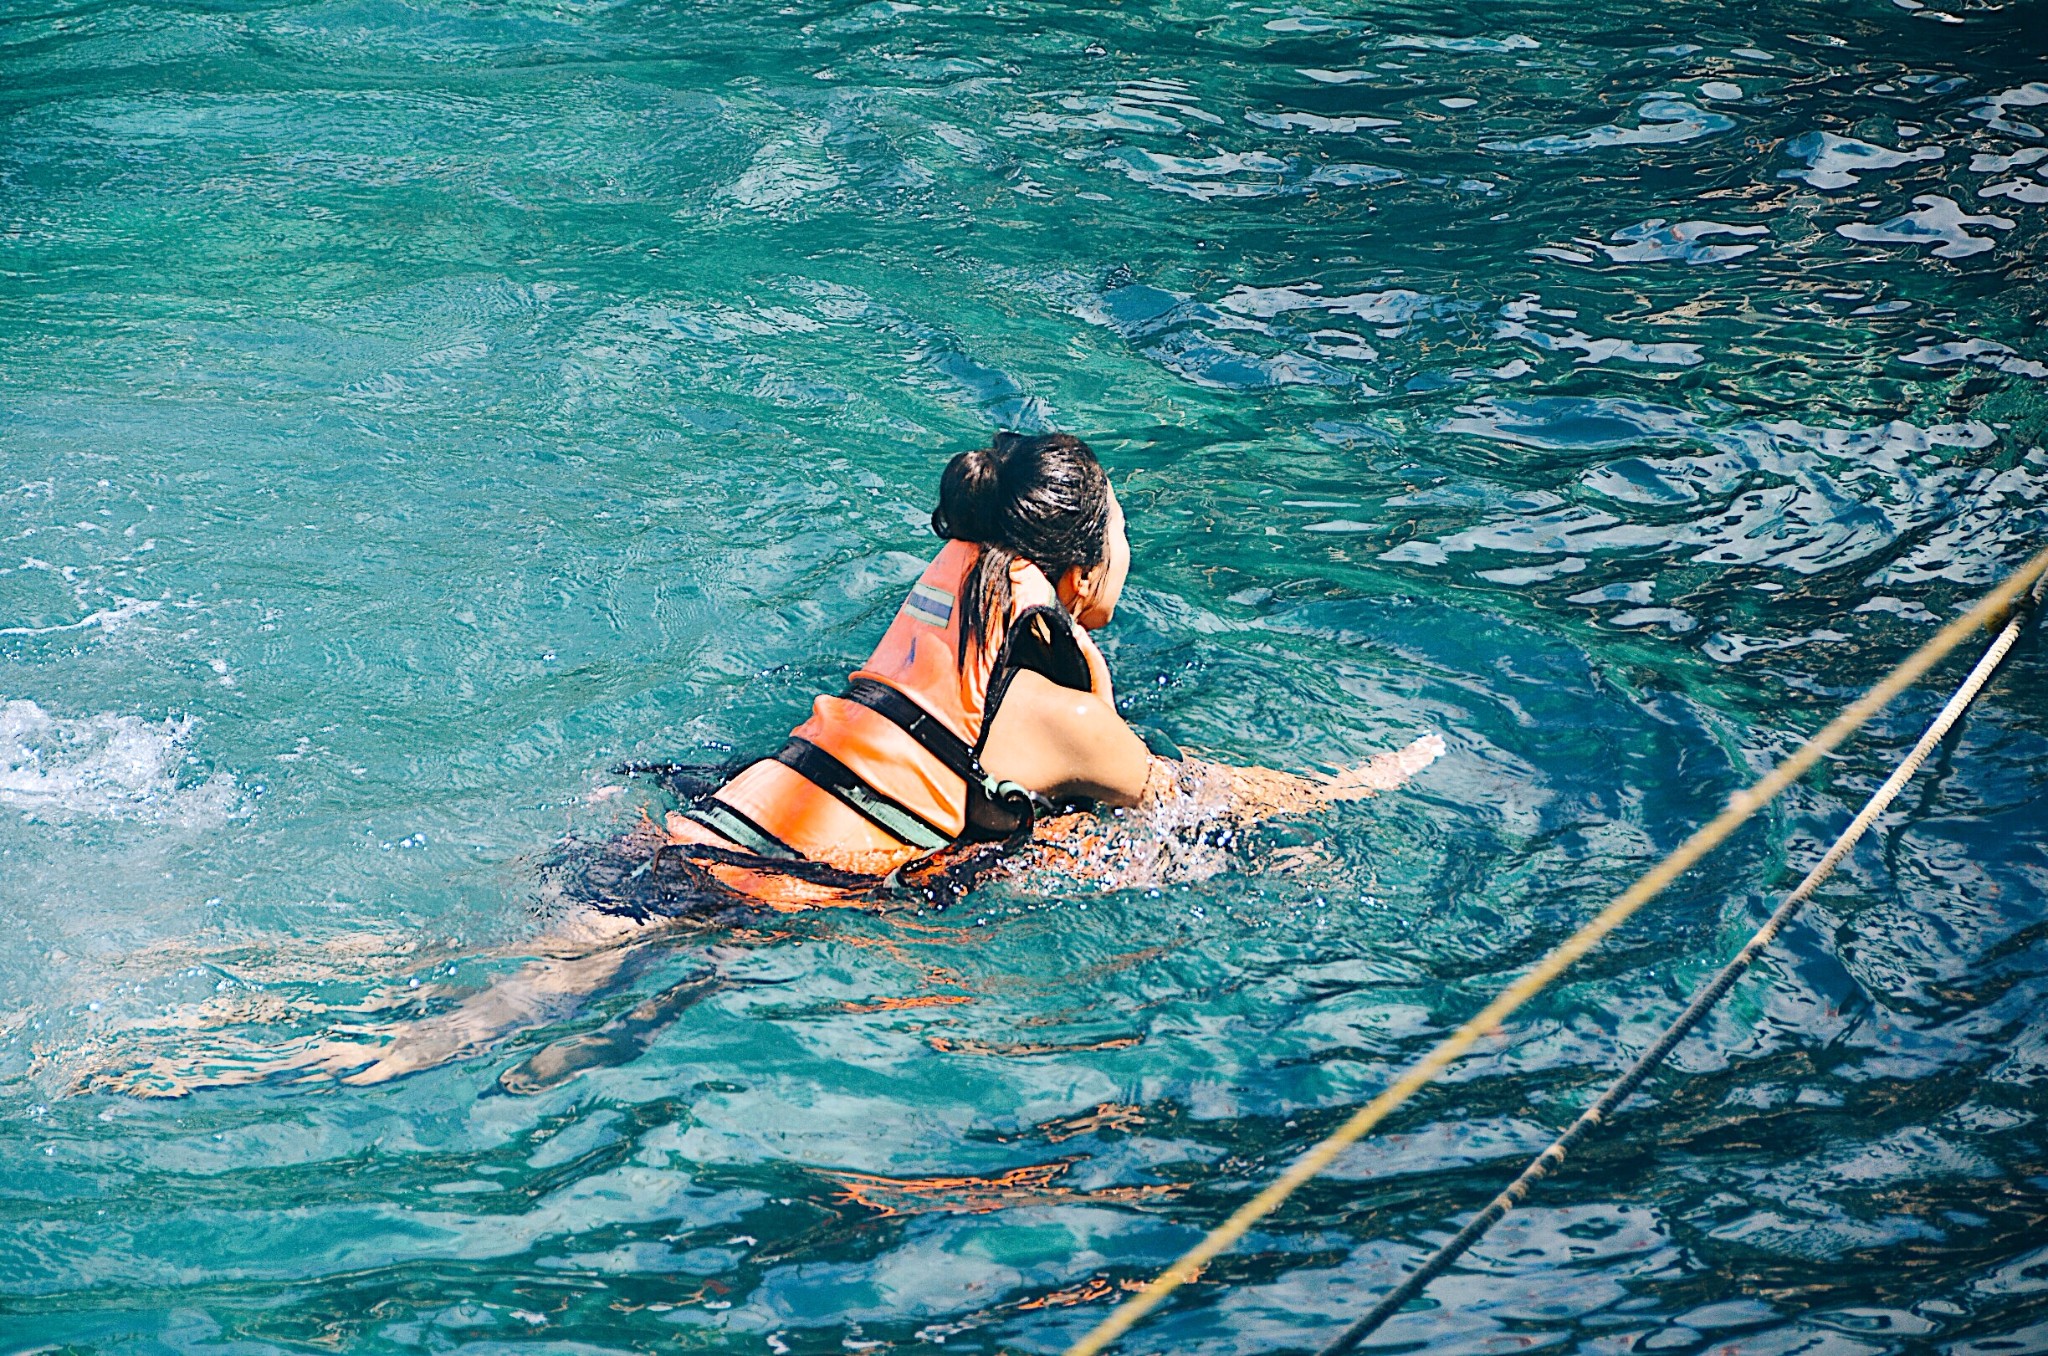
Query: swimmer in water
x=982, y=732
x=985, y=708
x=983, y=729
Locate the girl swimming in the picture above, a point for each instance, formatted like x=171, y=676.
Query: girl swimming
x=984, y=706
x=986, y=717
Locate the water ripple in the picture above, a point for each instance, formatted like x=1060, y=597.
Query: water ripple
x=1660, y=122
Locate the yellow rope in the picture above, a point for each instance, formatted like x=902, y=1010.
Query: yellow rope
x=1741, y=806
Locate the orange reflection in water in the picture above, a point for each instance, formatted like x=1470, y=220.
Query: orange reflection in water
x=1032, y=1184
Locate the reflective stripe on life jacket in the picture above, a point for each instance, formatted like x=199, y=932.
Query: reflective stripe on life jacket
x=885, y=771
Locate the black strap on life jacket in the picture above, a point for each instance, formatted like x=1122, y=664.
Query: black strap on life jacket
x=955, y=754
x=884, y=812
x=829, y=774
x=928, y=730
x=1061, y=661
x=817, y=873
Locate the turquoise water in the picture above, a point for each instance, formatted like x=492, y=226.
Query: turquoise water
x=410, y=411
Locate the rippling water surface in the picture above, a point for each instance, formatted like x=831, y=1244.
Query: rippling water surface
x=410, y=411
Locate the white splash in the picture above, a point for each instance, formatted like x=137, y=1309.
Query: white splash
x=1197, y=829
x=106, y=619
x=1189, y=835
x=104, y=766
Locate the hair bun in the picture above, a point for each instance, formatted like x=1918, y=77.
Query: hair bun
x=971, y=498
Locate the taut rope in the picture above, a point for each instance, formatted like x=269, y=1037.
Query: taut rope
x=1544, y=1163
x=1703, y=840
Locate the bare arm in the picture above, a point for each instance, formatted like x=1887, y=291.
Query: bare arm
x=1062, y=743
x=1250, y=794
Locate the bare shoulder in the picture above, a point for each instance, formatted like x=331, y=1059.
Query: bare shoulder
x=1062, y=742
x=1047, y=704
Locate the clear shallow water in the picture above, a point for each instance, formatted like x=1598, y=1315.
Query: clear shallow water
x=411, y=411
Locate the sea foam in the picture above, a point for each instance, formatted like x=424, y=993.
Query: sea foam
x=106, y=766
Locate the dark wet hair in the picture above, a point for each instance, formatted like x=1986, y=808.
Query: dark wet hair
x=1042, y=498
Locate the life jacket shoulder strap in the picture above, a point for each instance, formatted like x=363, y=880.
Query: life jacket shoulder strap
x=1021, y=805
x=928, y=730
x=1056, y=653
x=1061, y=661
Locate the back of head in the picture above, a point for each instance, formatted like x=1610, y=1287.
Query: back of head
x=1042, y=498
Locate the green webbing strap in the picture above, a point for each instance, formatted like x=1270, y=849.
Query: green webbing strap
x=735, y=827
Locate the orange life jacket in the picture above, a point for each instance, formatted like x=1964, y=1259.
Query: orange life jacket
x=900, y=747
